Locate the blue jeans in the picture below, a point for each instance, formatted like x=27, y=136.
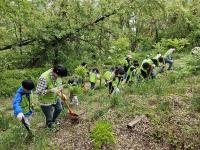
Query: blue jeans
x=51, y=112
x=170, y=62
x=153, y=74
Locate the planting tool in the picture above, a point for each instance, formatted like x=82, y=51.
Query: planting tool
x=26, y=126
x=71, y=113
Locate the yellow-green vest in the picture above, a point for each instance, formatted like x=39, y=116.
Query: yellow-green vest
x=26, y=103
x=93, y=77
x=115, y=82
x=107, y=75
x=49, y=98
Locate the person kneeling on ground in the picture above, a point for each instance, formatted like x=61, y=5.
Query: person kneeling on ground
x=48, y=87
x=113, y=87
x=22, y=102
x=147, y=70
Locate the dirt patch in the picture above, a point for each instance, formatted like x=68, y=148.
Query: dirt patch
x=76, y=136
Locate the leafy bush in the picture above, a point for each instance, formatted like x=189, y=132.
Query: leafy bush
x=102, y=134
x=195, y=38
x=11, y=79
x=196, y=52
x=120, y=45
x=75, y=89
x=164, y=44
x=81, y=71
x=194, y=61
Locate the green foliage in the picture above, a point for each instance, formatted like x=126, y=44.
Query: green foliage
x=115, y=101
x=13, y=138
x=11, y=79
x=120, y=45
x=163, y=106
x=145, y=44
x=164, y=44
x=196, y=52
x=6, y=121
x=75, y=90
x=178, y=43
x=194, y=62
x=102, y=134
x=195, y=38
x=81, y=71
x=172, y=78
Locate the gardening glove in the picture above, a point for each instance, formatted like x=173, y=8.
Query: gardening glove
x=20, y=116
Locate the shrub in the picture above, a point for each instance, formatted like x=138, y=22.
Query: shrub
x=81, y=71
x=164, y=44
x=102, y=134
x=11, y=79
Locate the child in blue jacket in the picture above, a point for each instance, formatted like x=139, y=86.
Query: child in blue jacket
x=22, y=101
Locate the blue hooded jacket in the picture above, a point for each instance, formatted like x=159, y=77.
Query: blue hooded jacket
x=17, y=101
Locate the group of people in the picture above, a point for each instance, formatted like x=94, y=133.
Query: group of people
x=49, y=85
x=132, y=72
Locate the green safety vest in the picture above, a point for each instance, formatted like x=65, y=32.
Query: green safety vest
x=49, y=98
x=149, y=61
x=93, y=77
x=133, y=74
x=26, y=103
x=168, y=54
x=115, y=82
x=107, y=75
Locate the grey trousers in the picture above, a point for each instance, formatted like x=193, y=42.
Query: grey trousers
x=51, y=112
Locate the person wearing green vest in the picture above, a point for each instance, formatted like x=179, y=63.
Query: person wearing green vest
x=108, y=76
x=168, y=58
x=22, y=101
x=94, y=75
x=49, y=84
x=147, y=69
x=119, y=74
x=132, y=72
x=155, y=59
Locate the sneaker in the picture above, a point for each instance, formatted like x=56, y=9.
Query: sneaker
x=57, y=122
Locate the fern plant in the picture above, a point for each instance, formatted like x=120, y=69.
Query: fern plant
x=102, y=134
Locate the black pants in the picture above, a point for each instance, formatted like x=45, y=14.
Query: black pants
x=110, y=87
x=51, y=112
x=92, y=85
